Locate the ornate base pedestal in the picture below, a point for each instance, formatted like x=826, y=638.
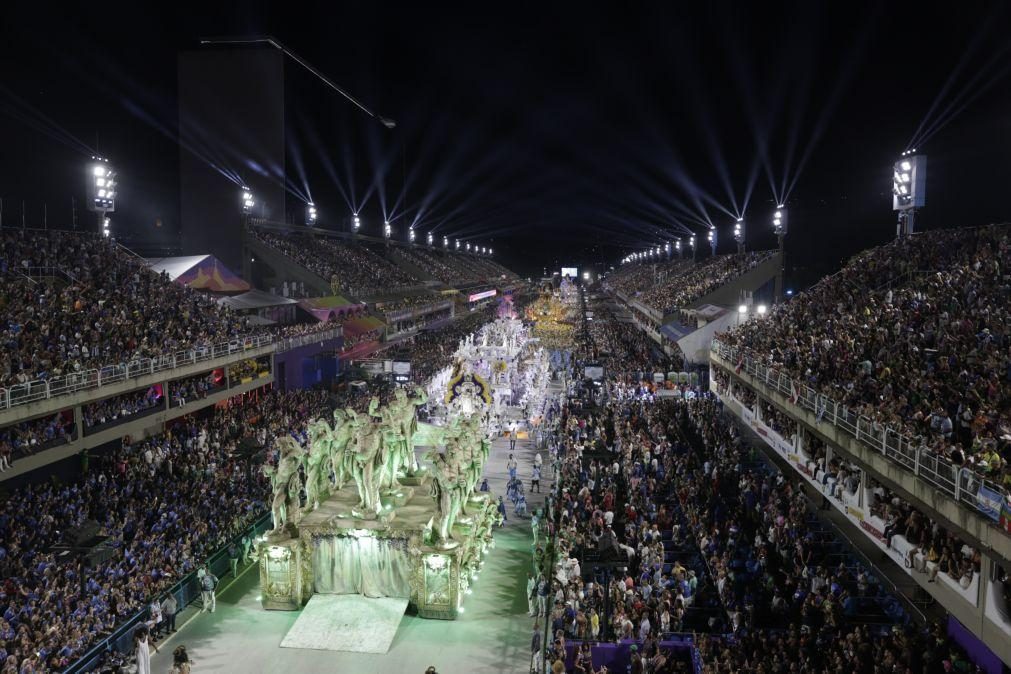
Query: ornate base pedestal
x=280, y=574
x=439, y=578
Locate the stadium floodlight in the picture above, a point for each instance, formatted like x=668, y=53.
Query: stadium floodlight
x=779, y=220
x=468, y=247
x=356, y=222
x=106, y=227
x=387, y=230
x=739, y=234
x=247, y=201
x=586, y=276
x=445, y=242
x=101, y=186
x=311, y=214
x=458, y=244
x=430, y=238
x=743, y=309
x=909, y=189
x=411, y=235
x=491, y=252
x=762, y=309
x=712, y=240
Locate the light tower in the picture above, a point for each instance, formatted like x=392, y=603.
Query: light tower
x=430, y=239
x=310, y=214
x=247, y=201
x=445, y=242
x=102, y=191
x=739, y=234
x=691, y=242
x=780, y=225
x=387, y=230
x=909, y=189
x=677, y=246
x=411, y=235
x=356, y=224
x=712, y=240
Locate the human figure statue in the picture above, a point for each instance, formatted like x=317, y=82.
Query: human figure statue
x=404, y=413
x=366, y=452
x=317, y=473
x=445, y=478
x=341, y=459
x=285, y=506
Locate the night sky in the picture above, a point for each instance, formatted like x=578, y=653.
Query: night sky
x=557, y=133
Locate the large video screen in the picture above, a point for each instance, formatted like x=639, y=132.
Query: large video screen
x=594, y=372
x=570, y=271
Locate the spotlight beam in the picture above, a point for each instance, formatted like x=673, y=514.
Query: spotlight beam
x=948, y=83
x=269, y=40
x=969, y=93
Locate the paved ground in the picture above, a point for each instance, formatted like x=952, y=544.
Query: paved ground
x=493, y=635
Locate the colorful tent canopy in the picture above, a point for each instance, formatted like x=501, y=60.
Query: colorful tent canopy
x=203, y=272
x=357, y=326
x=254, y=299
x=329, y=308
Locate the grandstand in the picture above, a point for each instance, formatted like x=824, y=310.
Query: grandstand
x=895, y=362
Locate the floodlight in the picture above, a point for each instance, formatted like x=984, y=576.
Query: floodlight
x=468, y=247
x=430, y=238
x=101, y=184
x=491, y=252
x=445, y=242
x=356, y=222
x=458, y=244
x=743, y=309
x=779, y=220
x=909, y=182
x=247, y=201
x=310, y=214
x=411, y=235
x=106, y=227
x=762, y=308
x=387, y=230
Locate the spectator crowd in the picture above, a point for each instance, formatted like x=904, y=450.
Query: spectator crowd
x=911, y=335
x=167, y=502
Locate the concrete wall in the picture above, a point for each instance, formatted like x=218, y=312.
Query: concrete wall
x=272, y=268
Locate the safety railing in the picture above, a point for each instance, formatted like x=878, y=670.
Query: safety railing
x=186, y=591
x=961, y=484
x=43, y=389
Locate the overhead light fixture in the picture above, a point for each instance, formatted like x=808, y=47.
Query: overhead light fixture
x=310, y=214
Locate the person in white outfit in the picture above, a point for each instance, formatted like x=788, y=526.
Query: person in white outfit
x=143, y=650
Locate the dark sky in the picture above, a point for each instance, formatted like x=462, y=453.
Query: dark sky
x=558, y=133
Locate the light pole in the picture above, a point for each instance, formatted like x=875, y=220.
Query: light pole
x=909, y=189
x=780, y=225
x=101, y=189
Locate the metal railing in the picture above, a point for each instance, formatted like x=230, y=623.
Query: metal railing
x=186, y=591
x=957, y=482
x=52, y=387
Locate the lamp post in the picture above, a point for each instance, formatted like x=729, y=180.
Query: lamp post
x=780, y=225
x=909, y=189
